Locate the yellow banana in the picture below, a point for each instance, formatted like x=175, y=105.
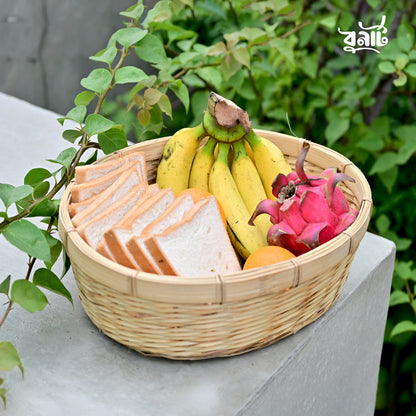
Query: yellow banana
x=222, y=185
x=249, y=150
x=269, y=160
x=239, y=248
x=249, y=184
x=177, y=156
x=202, y=164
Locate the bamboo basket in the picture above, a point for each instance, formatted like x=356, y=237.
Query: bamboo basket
x=215, y=316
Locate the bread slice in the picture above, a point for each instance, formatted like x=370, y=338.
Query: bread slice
x=173, y=214
x=134, y=222
x=93, y=206
x=91, y=172
x=103, y=249
x=197, y=246
x=83, y=191
x=93, y=230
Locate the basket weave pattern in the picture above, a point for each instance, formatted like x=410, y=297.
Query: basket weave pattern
x=194, y=318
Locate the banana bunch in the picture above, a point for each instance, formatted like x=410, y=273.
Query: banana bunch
x=231, y=162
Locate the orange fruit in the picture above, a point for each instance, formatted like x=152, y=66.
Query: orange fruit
x=198, y=194
x=266, y=256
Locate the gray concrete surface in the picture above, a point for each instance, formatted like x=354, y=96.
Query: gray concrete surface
x=328, y=368
x=45, y=45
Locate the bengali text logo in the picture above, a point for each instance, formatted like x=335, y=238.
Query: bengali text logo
x=368, y=38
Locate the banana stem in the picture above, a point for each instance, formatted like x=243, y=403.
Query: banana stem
x=223, y=151
x=226, y=113
x=239, y=150
x=252, y=138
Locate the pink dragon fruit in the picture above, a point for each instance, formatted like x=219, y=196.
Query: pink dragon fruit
x=309, y=211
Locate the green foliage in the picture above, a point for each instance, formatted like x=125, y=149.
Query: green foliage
x=285, y=64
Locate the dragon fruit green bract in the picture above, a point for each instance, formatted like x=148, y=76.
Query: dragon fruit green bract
x=309, y=210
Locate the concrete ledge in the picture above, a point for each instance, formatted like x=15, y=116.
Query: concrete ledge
x=328, y=368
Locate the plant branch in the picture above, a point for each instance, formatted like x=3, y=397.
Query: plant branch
x=124, y=53
x=9, y=308
x=411, y=296
x=294, y=30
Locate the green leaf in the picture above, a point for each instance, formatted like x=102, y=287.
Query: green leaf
x=382, y=223
x=152, y=96
x=151, y=49
x=77, y=113
x=9, y=357
x=411, y=70
x=29, y=238
x=98, y=80
x=401, y=61
x=403, y=326
x=335, y=129
x=181, y=91
x=253, y=35
x=71, y=135
x=96, y=123
x=371, y=141
x=84, y=98
x=407, y=134
x=55, y=245
x=160, y=12
x=400, y=81
x=398, y=297
x=112, y=139
x=5, y=285
x=217, y=49
x=49, y=280
x=10, y=194
x=389, y=177
x=105, y=55
x=229, y=67
x=129, y=36
x=329, y=21
x=65, y=158
x=35, y=176
x=28, y=296
x=144, y=117
x=284, y=46
x=405, y=37
x=45, y=208
x=129, y=74
x=242, y=55
x=310, y=64
x=165, y=105
x=373, y=3
x=384, y=162
x=134, y=12
x=386, y=67
x=390, y=51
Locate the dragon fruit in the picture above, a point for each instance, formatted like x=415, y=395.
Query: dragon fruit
x=309, y=210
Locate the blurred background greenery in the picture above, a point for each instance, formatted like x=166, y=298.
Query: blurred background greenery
x=285, y=63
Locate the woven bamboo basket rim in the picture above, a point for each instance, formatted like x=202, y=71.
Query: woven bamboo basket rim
x=230, y=288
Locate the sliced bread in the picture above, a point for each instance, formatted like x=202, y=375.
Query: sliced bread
x=103, y=249
x=83, y=191
x=134, y=222
x=93, y=230
x=113, y=193
x=197, y=246
x=173, y=214
x=91, y=172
